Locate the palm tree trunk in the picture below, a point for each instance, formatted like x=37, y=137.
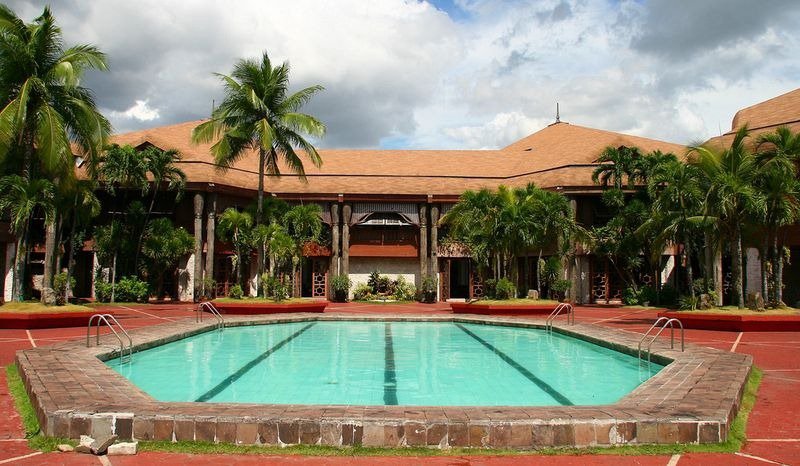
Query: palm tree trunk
x=146, y=220
x=539, y=274
x=48, y=297
x=778, y=270
x=762, y=252
x=113, y=274
x=689, y=272
x=737, y=267
x=259, y=213
x=19, y=269
x=71, y=255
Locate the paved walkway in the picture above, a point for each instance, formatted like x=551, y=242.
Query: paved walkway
x=773, y=431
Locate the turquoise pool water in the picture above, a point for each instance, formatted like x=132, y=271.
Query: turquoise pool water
x=385, y=363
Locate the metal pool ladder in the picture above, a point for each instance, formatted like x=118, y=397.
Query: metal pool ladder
x=570, y=311
x=663, y=322
x=110, y=321
x=206, y=305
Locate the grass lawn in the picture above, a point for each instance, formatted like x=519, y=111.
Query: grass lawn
x=517, y=302
x=735, y=311
x=38, y=307
x=267, y=301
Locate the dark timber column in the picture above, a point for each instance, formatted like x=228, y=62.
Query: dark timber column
x=434, y=267
x=335, y=239
x=198, y=245
x=346, y=213
x=423, y=243
x=211, y=220
x=571, y=269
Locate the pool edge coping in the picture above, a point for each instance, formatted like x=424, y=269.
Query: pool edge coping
x=81, y=395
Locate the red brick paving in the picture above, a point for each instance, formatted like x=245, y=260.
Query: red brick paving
x=774, y=417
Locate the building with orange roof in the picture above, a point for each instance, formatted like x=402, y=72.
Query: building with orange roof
x=382, y=207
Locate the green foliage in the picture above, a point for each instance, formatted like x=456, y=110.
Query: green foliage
x=163, y=246
x=340, y=285
x=404, y=291
x=209, y=287
x=274, y=288
x=668, y=296
x=127, y=289
x=560, y=287
x=689, y=303
x=363, y=292
x=505, y=289
x=428, y=290
x=490, y=288
x=102, y=291
x=372, y=281
x=236, y=292
x=60, y=287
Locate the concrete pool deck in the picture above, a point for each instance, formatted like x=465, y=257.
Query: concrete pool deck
x=775, y=352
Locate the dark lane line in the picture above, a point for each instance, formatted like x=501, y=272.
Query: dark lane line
x=525, y=372
x=389, y=374
x=253, y=363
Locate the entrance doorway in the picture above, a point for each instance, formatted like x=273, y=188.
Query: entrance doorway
x=459, y=278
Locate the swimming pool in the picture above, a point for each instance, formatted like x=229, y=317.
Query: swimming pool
x=385, y=363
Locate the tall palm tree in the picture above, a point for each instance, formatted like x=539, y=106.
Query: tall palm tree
x=619, y=166
x=235, y=226
x=20, y=199
x=85, y=206
x=44, y=107
x=258, y=114
x=732, y=197
x=778, y=154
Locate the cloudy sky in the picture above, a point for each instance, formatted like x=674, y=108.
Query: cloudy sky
x=448, y=73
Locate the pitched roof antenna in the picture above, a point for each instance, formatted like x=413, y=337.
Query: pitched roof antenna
x=558, y=114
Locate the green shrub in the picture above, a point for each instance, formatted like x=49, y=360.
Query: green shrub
x=209, y=287
x=236, y=292
x=630, y=296
x=131, y=290
x=363, y=292
x=340, y=286
x=427, y=294
x=385, y=285
x=490, y=288
x=60, y=287
x=372, y=281
x=102, y=291
x=647, y=295
x=404, y=291
x=668, y=296
x=689, y=303
x=560, y=287
x=505, y=289
x=274, y=288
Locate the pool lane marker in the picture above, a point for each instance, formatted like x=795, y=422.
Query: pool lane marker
x=564, y=401
x=253, y=363
x=389, y=373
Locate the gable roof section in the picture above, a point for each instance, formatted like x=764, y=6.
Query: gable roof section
x=764, y=117
x=560, y=155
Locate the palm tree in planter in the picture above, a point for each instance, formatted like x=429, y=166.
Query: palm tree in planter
x=85, y=206
x=20, y=198
x=733, y=197
x=303, y=224
x=45, y=108
x=258, y=115
x=235, y=227
x=164, y=245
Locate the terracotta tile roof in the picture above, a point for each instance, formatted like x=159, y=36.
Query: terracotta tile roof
x=558, y=155
x=764, y=117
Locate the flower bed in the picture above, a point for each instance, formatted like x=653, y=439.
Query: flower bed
x=735, y=323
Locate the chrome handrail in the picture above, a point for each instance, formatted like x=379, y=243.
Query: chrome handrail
x=557, y=311
x=110, y=321
x=207, y=305
x=667, y=322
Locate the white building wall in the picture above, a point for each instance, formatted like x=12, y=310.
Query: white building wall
x=362, y=267
x=253, y=278
x=186, y=279
x=667, y=270
x=8, y=273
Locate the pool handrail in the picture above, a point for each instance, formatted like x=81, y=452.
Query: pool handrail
x=207, y=305
x=666, y=322
x=557, y=311
x=110, y=321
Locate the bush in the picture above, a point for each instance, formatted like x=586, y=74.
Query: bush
x=274, y=288
x=209, y=287
x=404, y=291
x=60, y=287
x=647, y=295
x=385, y=285
x=363, y=292
x=668, y=296
x=102, y=291
x=372, y=281
x=630, y=296
x=127, y=290
x=429, y=289
x=560, y=288
x=505, y=289
x=340, y=286
x=490, y=288
x=236, y=291
x=689, y=303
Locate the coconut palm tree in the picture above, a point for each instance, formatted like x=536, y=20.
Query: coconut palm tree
x=618, y=166
x=163, y=247
x=235, y=227
x=259, y=115
x=732, y=197
x=85, y=206
x=303, y=224
x=778, y=154
x=20, y=199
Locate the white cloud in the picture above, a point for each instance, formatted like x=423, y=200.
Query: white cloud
x=501, y=130
x=139, y=111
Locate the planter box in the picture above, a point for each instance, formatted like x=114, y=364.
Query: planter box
x=251, y=308
x=511, y=309
x=733, y=323
x=33, y=320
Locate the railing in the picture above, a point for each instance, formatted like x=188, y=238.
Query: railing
x=664, y=322
x=570, y=312
x=110, y=321
x=207, y=306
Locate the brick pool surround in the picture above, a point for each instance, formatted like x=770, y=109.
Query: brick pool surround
x=694, y=399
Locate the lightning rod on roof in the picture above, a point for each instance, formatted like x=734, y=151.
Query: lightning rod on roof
x=558, y=116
